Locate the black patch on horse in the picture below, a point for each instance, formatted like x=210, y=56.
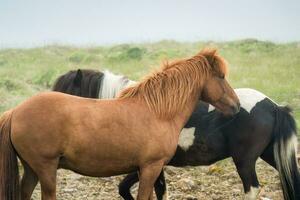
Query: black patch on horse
x=81, y=82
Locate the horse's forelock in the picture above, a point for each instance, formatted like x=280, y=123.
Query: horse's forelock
x=216, y=62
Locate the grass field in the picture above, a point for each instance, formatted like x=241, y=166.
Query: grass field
x=274, y=69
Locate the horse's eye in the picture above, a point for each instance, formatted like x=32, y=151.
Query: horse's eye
x=222, y=76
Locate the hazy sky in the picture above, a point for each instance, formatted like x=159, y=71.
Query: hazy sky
x=26, y=23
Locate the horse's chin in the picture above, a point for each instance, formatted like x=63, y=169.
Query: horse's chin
x=226, y=110
x=228, y=113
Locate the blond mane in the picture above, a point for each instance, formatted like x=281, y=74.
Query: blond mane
x=168, y=89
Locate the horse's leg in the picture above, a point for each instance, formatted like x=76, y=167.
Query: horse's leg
x=148, y=175
x=126, y=184
x=151, y=195
x=247, y=173
x=131, y=179
x=245, y=160
x=268, y=156
x=28, y=182
x=246, y=147
x=161, y=187
x=47, y=177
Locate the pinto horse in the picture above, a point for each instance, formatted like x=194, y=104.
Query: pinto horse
x=137, y=131
x=261, y=129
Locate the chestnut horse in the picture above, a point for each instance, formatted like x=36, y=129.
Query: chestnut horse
x=109, y=137
x=262, y=128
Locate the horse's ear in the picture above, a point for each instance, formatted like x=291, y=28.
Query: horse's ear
x=214, y=60
x=78, y=78
x=210, y=55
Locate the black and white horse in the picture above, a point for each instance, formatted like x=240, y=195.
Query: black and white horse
x=261, y=129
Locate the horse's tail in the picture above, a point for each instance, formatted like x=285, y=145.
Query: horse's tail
x=285, y=152
x=9, y=173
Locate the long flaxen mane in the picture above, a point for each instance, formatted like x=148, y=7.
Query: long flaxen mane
x=168, y=89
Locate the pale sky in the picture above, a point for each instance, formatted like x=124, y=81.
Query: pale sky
x=29, y=23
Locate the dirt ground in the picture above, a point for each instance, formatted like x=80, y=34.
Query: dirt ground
x=219, y=181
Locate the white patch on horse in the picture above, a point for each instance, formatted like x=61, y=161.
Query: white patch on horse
x=287, y=148
x=211, y=108
x=186, y=138
x=248, y=98
x=252, y=194
x=112, y=84
x=291, y=146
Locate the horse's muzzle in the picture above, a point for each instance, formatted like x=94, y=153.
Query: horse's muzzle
x=235, y=108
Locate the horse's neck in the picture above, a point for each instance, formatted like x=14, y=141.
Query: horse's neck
x=182, y=117
x=112, y=84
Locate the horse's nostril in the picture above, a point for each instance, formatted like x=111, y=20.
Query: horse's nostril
x=235, y=108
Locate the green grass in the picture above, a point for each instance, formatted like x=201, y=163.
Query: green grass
x=273, y=69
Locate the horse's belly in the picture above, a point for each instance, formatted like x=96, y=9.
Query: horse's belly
x=97, y=168
x=101, y=158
